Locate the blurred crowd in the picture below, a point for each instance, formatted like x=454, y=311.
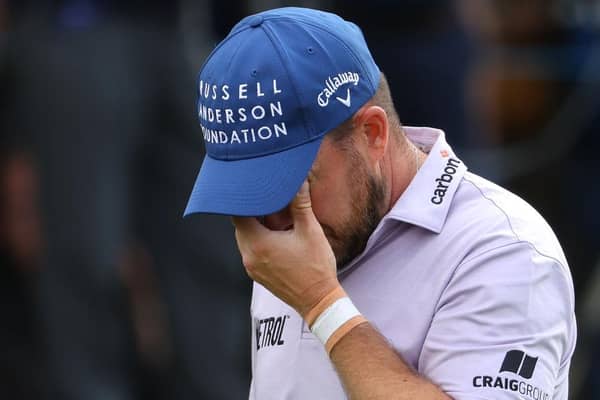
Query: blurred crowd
x=107, y=293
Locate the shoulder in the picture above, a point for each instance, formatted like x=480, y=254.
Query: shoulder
x=493, y=216
x=511, y=256
x=514, y=275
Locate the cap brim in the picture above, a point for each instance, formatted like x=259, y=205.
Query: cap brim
x=251, y=187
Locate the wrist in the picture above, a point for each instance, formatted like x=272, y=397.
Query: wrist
x=333, y=317
x=314, y=297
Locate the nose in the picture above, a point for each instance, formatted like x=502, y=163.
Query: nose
x=279, y=221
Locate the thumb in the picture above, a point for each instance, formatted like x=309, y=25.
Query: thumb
x=301, y=208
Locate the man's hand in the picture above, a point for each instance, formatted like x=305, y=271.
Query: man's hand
x=296, y=265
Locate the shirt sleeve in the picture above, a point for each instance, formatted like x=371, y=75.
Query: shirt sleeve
x=504, y=328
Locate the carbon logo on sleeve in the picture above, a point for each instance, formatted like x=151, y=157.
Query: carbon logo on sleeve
x=521, y=364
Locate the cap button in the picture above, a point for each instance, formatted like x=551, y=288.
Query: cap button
x=255, y=21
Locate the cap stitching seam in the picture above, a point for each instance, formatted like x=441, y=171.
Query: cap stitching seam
x=337, y=38
x=270, y=152
x=283, y=60
x=229, y=64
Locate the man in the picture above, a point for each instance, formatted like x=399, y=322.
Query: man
x=463, y=290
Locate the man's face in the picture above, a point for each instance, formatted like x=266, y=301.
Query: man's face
x=346, y=199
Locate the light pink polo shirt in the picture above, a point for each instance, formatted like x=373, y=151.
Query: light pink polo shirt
x=466, y=281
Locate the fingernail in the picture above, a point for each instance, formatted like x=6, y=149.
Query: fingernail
x=304, y=189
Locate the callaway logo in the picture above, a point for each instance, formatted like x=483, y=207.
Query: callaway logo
x=333, y=83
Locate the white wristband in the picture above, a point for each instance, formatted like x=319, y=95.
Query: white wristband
x=334, y=316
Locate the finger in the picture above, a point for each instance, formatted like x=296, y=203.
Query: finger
x=248, y=230
x=248, y=225
x=301, y=207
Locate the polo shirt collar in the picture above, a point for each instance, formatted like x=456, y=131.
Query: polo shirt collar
x=428, y=197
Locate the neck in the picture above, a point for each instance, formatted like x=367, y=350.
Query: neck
x=404, y=162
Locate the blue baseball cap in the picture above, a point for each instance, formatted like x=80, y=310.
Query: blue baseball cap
x=267, y=95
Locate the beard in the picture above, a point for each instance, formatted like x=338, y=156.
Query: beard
x=350, y=237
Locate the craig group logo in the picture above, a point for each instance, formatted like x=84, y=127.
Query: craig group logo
x=521, y=364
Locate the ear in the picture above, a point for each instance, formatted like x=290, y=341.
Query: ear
x=372, y=124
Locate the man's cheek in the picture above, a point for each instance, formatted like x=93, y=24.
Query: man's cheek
x=336, y=245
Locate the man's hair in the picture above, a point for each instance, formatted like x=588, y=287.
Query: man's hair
x=342, y=134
